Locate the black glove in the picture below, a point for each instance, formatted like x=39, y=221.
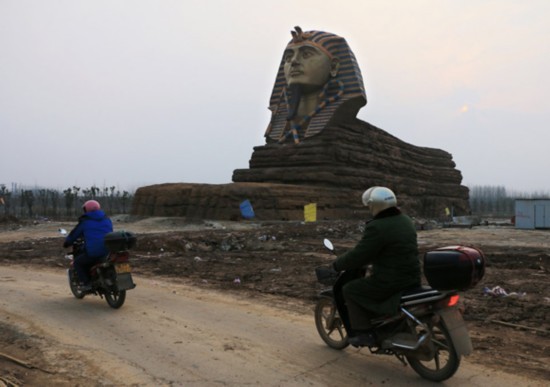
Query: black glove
x=326, y=274
x=65, y=244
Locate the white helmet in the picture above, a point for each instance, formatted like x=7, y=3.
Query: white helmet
x=378, y=199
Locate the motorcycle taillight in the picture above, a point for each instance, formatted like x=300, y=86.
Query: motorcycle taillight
x=121, y=256
x=453, y=300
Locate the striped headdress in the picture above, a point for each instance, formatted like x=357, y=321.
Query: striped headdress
x=348, y=74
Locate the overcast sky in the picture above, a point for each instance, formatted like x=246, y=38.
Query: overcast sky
x=138, y=92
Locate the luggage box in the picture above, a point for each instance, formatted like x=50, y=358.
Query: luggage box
x=454, y=267
x=119, y=241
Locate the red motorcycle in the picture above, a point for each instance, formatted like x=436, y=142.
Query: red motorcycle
x=428, y=331
x=112, y=276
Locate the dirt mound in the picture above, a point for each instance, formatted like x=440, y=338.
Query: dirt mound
x=10, y=222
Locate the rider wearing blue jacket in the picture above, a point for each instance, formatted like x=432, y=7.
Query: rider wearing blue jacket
x=92, y=226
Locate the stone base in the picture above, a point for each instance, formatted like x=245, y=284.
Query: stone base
x=358, y=155
x=270, y=201
x=331, y=169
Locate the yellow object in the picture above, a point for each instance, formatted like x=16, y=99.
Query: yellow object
x=310, y=212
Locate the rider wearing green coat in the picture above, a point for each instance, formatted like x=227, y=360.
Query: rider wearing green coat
x=389, y=244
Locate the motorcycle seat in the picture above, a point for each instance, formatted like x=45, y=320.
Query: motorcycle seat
x=104, y=259
x=416, y=290
x=420, y=294
x=100, y=263
x=412, y=296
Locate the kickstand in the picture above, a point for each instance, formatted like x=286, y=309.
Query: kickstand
x=401, y=359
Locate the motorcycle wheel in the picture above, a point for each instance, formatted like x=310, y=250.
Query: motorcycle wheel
x=73, y=284
x=115, y=298
x=329, y=324
x=445, y=362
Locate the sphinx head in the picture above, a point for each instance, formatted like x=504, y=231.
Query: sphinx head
x=307, y=63
x=315, y=62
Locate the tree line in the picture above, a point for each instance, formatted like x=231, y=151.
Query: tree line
x=497, y=201
x=23, y=202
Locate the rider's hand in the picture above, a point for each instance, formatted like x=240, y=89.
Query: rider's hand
x=65, y=244
x=326, y=273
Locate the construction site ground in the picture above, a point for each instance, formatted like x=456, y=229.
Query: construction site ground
x=273, y=262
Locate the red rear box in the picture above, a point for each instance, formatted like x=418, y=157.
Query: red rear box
x=454, y=267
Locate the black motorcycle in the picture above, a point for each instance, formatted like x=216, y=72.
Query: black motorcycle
x=428, y=331
x=112, y=276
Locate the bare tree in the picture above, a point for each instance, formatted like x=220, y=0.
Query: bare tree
x=27, y=197
x=5, y=196
x=47, y=202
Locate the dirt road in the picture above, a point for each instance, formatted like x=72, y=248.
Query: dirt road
x=274, y=263
x=173, y=334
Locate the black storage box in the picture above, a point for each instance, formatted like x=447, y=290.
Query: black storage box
x=454, y=267
x=119, y=241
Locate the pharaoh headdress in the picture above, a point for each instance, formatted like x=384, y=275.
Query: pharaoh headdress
x=347, y=85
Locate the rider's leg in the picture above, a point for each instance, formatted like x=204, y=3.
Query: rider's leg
x=82, y=264
x=361, y=333
x=359, y=317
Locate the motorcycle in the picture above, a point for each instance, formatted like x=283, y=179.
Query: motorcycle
x=112, y=276
x=428, y=332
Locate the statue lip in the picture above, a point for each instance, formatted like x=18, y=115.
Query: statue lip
x=295, y=73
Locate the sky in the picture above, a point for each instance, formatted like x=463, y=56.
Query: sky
x=130, y=93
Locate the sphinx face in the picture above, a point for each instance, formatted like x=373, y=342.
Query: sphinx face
x=307, y=66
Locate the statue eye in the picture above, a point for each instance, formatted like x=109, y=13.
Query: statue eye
x=287, y=57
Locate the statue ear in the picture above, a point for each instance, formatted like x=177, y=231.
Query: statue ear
x=334, y=67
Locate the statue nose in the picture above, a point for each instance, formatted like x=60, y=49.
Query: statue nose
x=295, y=59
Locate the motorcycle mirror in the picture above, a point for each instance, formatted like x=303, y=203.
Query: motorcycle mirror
x=62, y=231
x=328, y=244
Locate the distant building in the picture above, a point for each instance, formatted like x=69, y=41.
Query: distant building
x=532, y=213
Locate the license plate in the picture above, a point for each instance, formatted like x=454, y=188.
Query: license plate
x=123, y=268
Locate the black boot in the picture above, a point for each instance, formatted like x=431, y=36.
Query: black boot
x=363, y=339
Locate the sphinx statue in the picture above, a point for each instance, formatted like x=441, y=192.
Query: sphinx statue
x=314, y=137
x=318, y=81
x=317, y=151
